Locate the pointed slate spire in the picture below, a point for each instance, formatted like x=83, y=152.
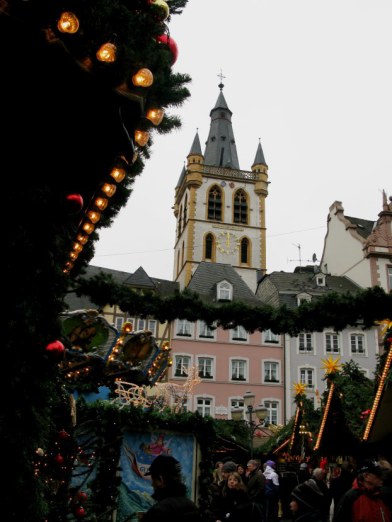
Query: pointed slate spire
x=221, y=150
x=259, y=158
x=196, y=147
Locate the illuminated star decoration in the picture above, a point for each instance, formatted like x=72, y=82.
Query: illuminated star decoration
x=386, y=325
x=331, y=365
x=299, y=388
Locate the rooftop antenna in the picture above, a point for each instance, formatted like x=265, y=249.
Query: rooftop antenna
x=299, y=260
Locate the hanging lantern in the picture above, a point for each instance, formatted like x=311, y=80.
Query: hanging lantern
x=155, y=116
x=82, y=238
x=109, y=189
x=94, y=216
x=77, y=247
x=118, y=174
x=101, y=203
x=143, y=78
x=68, y=23
x=107, y=53
x=88, y=227
x=68, y=266
x=73, y=255
x=141, y=137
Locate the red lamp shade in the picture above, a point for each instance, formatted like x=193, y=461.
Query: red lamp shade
x=168, y=40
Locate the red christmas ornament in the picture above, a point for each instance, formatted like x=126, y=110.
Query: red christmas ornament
x=59, y=459
x=168, y=40
x=80, y=512
x=64, y=435
x=74, y=203
x=82, y=496
x=56, y=347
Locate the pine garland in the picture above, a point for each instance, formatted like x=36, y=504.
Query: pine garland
x=337, y=311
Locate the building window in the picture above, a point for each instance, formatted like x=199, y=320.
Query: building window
x=272, y=407
x=205, y=367
x=332, y=343
x=182, y=364
x=306, y=376
x=238, y=370
x=240, y=207
x=239, y=334
x=224, y=291
x=389, y=278
x=185, y=209
x=270, y=337
x=305, y=343
x=237, y=403
x=357, y=344
x=118, y=322
x=204, y=406
x=183, y=328
x=205, y=331
x=303, y=298
x=215, y=203
x=209, y=246
x=244, y=251
x=271, y=372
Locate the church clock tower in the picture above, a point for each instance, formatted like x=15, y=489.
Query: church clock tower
x=219, y=208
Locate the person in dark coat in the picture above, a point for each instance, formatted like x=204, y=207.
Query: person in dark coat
x=318, y=476
x=342, y=483
x=170, y=493
x=235, y=500
x=217, y=491
x=255, y=482
x=306, y=502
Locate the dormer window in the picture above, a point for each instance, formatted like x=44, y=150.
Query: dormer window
x=303, y=298
x=320, y=280
x=224, y=291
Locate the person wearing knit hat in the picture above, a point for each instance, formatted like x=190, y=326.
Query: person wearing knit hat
x=365, y=502
x=306, y=501
x=271, y=492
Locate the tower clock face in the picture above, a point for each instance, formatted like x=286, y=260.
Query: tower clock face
x=227, y=242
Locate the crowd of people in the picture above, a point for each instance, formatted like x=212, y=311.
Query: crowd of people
x=260, y=492
x=340, y=493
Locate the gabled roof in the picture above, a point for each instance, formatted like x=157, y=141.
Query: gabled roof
x=284, y=287
x=137, y=280
x=207, y=276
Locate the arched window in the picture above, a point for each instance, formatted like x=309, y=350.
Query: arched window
x=209, y=246
x=244, y=251
x=180, y=222
x=215, y=203
x=185, y=209
x=240, y=207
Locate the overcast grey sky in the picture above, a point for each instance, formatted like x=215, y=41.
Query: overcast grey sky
x=313, y=80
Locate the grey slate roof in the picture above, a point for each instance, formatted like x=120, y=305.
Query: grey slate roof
x=207, y=275
x=282, y=288
x=196, y=147
x=259, y=158
x=221, y=150
x=139, y=279
x=364, y=226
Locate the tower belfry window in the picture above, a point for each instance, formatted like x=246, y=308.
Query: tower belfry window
x=240, y=207
x=215, y=203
